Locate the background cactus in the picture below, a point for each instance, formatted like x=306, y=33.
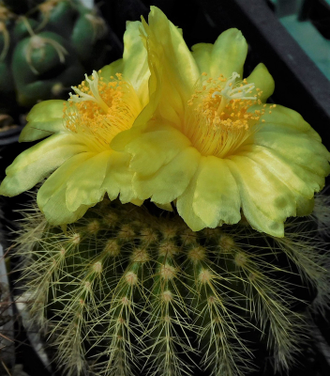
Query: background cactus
x=46, y=46
x=123, y=289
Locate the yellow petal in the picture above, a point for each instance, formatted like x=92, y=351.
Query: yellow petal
x=51, y=196
x=167, y=207
x=142, y=123
x=266, y=202
x=60, y=215
x=45, y=110
x=184, y=205
x=170, y=37
x=301, y=148
x=304, y=206
x=110, y=70
x=36, y=163
x=118, y=179
x=58, y=179
x=170, y=180
x=202, y=53
x=216, y=197
x=302, y=181
x=262, y=80
x=135, y=62
x=44, y=119
x=174, y=67
x=228, y=54
x=156, y=148
x=84, y=185
x=284, y=116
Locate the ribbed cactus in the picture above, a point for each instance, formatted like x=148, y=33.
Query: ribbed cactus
x=46, y=46
x=125, y=289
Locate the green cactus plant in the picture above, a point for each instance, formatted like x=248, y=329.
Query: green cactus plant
x=47, y=46
x=122, y=290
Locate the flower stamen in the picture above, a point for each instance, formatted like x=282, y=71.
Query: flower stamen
x=240, y=92
x=102, y=108
x=94, y=88
x=220, y=119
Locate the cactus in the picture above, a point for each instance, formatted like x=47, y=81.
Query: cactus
x=47, y=46
x=6, y=342
x=6, y=315
x=126, y=288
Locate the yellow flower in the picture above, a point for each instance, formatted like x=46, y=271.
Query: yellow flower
x=212, y=145
x=77, y=151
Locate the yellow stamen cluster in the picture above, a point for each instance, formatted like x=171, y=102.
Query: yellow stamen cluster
x=102, y=108
x=219, y=117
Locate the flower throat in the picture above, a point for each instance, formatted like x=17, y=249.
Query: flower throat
x=220, y=115
x=102, y=108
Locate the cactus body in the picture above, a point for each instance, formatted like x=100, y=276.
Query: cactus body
x=47, y=46
x=123, y=290
x=46, y=67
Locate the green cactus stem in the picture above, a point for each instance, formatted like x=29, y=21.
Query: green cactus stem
x=40, y=62
x=46, y=47
x=123, y=290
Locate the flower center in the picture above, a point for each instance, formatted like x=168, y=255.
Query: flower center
x=101, y=108
x=219, y=117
